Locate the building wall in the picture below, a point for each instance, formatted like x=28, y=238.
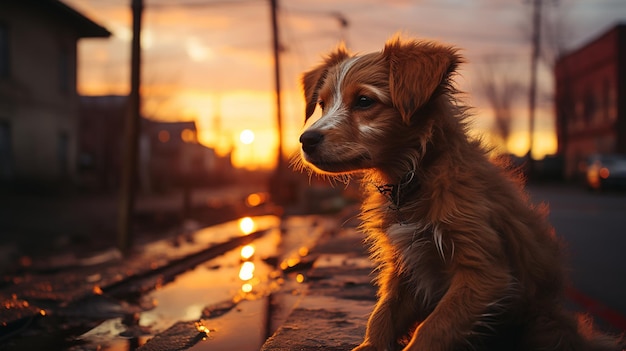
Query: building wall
x=38, y=99
x=587, y=95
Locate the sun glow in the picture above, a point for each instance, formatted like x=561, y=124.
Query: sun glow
x=544, y=143
x=246, y=136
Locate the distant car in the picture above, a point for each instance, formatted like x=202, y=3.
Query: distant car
x=606, y=171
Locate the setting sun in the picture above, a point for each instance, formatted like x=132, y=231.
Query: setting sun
x=246, y=136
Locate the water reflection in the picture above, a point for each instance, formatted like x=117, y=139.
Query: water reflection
x=247, y=225
x=247, y=251
x=247, y=271
x=202, y=328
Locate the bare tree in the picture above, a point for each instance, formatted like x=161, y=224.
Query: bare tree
x=501, y=90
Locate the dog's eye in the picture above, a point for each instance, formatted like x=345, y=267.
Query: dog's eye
x=363, y=102
x=321, y=103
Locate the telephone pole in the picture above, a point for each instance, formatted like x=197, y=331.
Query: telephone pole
x=277, y=182
x=532, y=91
x=276, y=51
x=131, y=146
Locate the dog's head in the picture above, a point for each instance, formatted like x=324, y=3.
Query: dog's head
x=371, y=103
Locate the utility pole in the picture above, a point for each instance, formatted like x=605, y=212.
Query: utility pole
x=129, y=167
x=277, y=186
x=532, y=91
x=276, y=50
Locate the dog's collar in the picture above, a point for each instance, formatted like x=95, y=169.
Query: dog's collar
x=399, y=193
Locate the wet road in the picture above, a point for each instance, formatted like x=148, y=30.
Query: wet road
x=230, y=301
x=593, y=226
x=229, y=298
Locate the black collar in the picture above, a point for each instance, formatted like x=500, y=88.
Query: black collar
x=399, y=193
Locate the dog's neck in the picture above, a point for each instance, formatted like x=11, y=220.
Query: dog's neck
x=400, y=192
x=401, y=188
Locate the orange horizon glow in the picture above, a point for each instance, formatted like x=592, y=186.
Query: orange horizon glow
x=248, y=108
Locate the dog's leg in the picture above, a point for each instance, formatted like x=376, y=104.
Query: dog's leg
x=469, y=296
x=391, y=319
x=379, y=334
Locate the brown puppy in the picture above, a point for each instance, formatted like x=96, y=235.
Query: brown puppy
x=465, y=262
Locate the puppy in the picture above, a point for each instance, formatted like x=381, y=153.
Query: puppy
x=464, y=260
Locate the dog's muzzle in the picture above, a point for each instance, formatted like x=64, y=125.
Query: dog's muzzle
x=310, y=141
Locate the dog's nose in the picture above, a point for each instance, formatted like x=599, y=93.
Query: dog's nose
x=310, y=140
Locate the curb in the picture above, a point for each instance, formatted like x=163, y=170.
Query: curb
x=333, y=309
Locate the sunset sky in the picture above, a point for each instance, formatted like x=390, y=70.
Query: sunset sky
x=211, y=60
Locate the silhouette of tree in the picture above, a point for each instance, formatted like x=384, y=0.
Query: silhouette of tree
x=500, y=89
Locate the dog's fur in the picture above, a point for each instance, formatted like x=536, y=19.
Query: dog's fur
x=465, y=261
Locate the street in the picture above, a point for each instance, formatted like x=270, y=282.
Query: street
x=208, y=278
x=593, y=226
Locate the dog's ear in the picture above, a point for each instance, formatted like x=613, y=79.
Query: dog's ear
x=312, y=80
x=416, y=71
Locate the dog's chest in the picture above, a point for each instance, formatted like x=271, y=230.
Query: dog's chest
x=418, y=255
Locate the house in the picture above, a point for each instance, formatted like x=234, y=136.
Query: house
x=38, y=97
x=171, y=156
x=100, y=140
x=169, y=152
x=591, y=100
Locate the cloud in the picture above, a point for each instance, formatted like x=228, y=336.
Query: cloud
x=197, y=51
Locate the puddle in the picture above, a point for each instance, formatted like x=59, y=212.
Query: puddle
x=230, y=296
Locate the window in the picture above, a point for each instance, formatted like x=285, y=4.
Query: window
x=4, y=51
x=589, y=107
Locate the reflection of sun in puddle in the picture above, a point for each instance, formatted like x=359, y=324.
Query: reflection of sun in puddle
x=246, y=288
x=247, y=251
x=247, y=271
x=247, y=225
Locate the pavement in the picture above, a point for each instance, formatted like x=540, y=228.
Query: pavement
x=336, y=300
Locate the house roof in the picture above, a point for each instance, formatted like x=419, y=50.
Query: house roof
x=619, y=27
x=85, y=27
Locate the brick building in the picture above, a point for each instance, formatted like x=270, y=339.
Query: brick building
x=591, y=99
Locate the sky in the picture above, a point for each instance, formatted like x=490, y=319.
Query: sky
x=211, y=60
